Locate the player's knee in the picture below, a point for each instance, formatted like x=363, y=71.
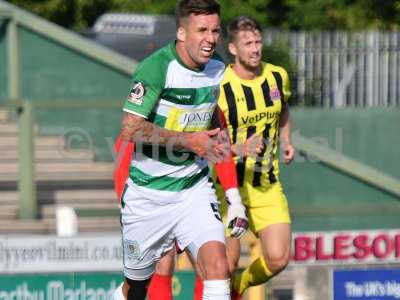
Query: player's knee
x=212, y=261
x=277, y=262
x=216, y=268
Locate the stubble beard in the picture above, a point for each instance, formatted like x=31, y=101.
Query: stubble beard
x=248, y=67
x=198, y=58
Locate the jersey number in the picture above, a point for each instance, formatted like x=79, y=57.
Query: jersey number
x=214, y=207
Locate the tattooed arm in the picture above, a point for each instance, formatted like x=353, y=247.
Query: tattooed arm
x=139, y=130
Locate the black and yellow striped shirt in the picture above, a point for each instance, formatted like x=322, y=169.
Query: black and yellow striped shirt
x=254, y=106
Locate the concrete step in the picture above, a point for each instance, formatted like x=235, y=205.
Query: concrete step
x=91, y=179
x=48, y=226
x=8, y=128
x=64, y=197
x=9, y=212
x=61, y=171
x=62, y=179
x=78, y=196
x=99, y=224
x=8, y=227
x=50, y=155
x=41, y=142
x=57, y=167
x=84, y=209
x=91, y=224
x=8, y=197
x=4, y=117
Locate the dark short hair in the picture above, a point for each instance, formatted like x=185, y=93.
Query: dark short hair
x=242, y=23
x=198, y=7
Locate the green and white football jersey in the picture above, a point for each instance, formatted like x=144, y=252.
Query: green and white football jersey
x=172, y=96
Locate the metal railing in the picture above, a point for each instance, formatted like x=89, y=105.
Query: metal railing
x=343, y=68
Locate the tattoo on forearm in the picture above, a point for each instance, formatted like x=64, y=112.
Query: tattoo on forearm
x=139, y=130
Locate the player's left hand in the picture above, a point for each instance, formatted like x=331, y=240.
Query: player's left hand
x=236, y=217
x=237, y=220
x=288, y=152
x=250, y=148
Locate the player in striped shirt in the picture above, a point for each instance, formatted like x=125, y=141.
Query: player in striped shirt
x=168, y=196
x=254, y=100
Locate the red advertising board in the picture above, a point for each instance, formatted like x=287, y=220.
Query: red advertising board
x=352, y=247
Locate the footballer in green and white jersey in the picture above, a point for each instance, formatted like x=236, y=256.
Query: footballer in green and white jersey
x=172, y=96
x=168, y=194
x=168, y=199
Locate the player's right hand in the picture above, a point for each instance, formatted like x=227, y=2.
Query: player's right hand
x=206, y=145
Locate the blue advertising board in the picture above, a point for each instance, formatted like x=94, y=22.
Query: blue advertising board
x=366, y=284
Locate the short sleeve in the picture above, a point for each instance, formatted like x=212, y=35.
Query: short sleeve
x=285, y=84
x=148, y=83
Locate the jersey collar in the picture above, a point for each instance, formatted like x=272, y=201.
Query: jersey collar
x=172, y=46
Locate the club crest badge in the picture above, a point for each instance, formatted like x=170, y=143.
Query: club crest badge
x=275, y=94
x=132, y=250
x=137, y=93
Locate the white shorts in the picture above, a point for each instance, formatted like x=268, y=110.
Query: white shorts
x=150, y=227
